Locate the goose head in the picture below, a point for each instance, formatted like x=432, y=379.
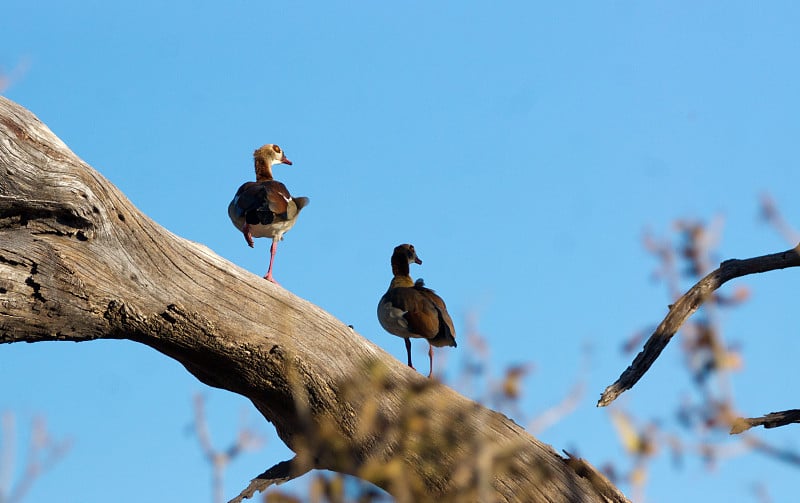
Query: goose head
x=267, y=156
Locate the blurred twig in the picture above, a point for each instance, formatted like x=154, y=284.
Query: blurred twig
x=780, y=454
x=568, y=404
x=770, y=213
x=7, y=79
x=219, y=460
x=761, y=493
x=43, y=452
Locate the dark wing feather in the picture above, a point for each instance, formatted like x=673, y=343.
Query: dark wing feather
x=420, y=315
x=446, y=334
x=278, y=196
x=261, y=202
x=426, y=314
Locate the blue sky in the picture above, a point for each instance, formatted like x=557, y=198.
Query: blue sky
x=522, y=147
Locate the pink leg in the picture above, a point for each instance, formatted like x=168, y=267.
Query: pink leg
x=272, y=250
x=430, y=357
x=408, y=350
x=248, y=236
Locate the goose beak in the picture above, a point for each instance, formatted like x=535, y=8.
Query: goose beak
x=286, y=161
x=418, y=260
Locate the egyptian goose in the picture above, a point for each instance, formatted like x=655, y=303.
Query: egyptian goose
x=264, y=208
x=408, y=309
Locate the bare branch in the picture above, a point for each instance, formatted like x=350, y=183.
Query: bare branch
x=685, y=306
x=771, y=420
x=79, y=262
x=276, y=475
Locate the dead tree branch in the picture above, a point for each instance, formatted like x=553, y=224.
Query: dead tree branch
x=771, y=420
x=278, y=474
x=79, y=262
x=686, y=305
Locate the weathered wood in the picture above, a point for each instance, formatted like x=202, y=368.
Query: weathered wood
x=79, y=262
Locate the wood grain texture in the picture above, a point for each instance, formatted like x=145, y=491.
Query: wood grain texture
x=79, y=262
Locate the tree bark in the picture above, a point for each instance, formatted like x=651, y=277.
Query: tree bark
x=79, y=262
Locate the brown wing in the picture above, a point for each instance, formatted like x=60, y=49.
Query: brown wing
x=261, y=202
x=446, y=334
x=278, y=196
x=420, y=314
x=426, y=314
